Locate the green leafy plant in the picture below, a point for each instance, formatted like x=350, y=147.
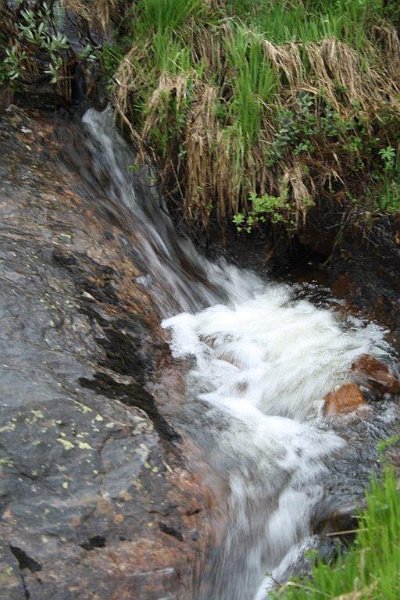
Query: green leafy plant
x=295, y=129
x=388, y=156
x=35, y=29
x=13, y=62
x=388, y=182
x=263, y=209
x=88, y=53
x=33, y=46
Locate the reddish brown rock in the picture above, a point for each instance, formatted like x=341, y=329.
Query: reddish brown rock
x=346, y=399
x=376, y=375
x=344, y=286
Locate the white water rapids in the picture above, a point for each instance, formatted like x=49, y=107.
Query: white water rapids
x=261, y=364
x=268, y=363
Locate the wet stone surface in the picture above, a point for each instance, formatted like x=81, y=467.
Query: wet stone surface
x=365, y=270
x=95, y=498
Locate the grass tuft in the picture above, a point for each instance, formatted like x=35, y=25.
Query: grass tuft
x=240, y=99
x=371, y=568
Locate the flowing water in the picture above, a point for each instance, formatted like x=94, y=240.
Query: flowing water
x=259, y=362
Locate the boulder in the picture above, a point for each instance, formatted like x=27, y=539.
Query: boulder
x=345, y=399
x=98, y=498
x=373, y=373
x=365, y=270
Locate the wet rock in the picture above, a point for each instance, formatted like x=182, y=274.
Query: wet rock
x=96, y=496
x=80, y=79
x=11, y=578
x=375, y=374
x=365, y=269
x=346, y=399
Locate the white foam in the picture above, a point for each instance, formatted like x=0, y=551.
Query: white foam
x=268, y=353
x=262, y=360
x=268, y=362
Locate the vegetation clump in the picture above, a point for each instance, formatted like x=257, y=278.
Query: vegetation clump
x=259, y=103
x=255, y=111
x=370, y=570
x=33, y=51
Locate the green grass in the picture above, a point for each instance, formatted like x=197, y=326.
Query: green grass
x=255, y=81
x=166, y=15
x=255, y=137
x=308, y=21
x=371, y=568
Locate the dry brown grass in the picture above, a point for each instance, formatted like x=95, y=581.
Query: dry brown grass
x=301, y=195
x=387, y=37
x=367, y=593
x=200, y=136
x=336, y=71
x=287, y=61
x=212, y=166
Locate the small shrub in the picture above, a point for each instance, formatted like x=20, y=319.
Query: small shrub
x=389, y=196
x=31, y=47
x=265, y=208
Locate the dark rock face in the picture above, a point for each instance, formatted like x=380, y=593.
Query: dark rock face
x=96, y=500
x=366, y=267
x=79, y=81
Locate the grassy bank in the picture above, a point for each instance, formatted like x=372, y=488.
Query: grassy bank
x=256, y=111
x=371, y=568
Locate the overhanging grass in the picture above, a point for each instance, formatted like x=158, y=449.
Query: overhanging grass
x=238, y=99
x=371, y=568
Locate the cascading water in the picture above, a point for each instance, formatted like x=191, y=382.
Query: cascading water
x=260, y=364
x=267, y=362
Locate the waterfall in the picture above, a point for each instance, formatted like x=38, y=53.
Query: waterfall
x=259, y=363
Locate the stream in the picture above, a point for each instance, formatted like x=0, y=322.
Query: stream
x=258, y=360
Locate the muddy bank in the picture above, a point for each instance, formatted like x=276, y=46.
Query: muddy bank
x=96, y=497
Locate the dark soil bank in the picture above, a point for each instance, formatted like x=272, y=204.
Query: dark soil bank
x=366, y=269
